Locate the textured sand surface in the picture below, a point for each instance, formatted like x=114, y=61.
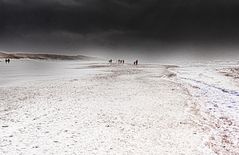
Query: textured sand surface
x=121, y=109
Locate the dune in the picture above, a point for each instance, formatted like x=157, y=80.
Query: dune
x=230, y=72
x=4, y=55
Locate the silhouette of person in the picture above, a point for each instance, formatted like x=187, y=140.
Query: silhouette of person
x=136, y=62
x=7, y=60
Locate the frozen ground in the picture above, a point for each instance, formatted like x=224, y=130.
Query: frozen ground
x=94, y=108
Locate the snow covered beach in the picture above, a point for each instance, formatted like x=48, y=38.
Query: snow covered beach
x=74, y=107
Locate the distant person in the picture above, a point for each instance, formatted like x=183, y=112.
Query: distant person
x=136, y=62
x=7, y=61
x=110, y=61
x=120, y=61
x=123, y=61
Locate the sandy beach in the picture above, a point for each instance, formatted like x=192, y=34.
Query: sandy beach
x=98, y=108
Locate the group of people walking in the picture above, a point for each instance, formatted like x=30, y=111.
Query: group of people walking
x=7, y=61
x=122, y=62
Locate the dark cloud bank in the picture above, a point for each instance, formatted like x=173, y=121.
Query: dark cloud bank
x=130, y=25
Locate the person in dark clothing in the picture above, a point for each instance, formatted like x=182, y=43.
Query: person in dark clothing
x=136, y=62
x=7, y=60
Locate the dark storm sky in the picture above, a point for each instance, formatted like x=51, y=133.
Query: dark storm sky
x=75, y=25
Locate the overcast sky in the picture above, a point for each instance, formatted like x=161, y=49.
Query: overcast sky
x=130, y=25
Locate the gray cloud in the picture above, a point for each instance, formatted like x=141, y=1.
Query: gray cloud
x=42, y=2
x=78, y=24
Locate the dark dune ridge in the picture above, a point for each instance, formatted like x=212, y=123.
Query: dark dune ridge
x=44, y=56
x=230, y=72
